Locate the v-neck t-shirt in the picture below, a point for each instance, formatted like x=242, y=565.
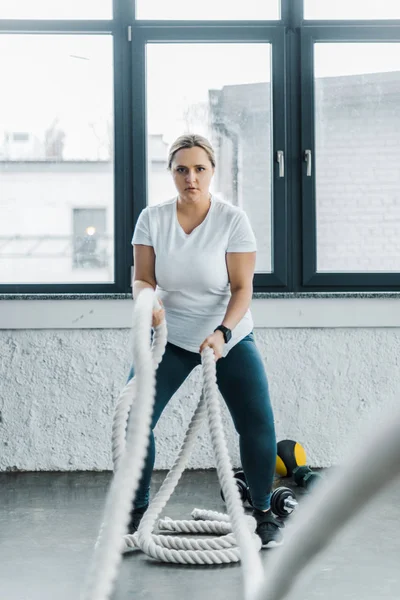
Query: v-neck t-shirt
x=191, y=270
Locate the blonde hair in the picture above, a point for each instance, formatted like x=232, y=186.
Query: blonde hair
x=191, y=140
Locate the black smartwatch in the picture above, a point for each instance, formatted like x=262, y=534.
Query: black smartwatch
x=227, y=333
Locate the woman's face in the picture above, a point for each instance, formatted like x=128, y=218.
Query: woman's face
x=192, y=172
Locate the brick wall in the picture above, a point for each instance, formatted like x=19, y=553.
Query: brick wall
x=358, y=172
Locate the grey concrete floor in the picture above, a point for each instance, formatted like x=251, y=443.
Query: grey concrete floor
x=49, y=523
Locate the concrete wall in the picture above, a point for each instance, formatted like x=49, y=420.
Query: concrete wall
x=58, y=389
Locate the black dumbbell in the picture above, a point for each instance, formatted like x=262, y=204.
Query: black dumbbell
x=283, y=502
x=283, y=499
x=306, y=477
x=241, y=483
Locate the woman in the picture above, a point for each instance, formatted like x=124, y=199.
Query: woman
x=199, y=253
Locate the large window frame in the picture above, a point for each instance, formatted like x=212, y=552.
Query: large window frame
x=293, y=201
x=121, y=148
x=311, y=278
x=276, y=280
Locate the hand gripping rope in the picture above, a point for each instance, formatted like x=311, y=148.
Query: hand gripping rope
x=332, y=504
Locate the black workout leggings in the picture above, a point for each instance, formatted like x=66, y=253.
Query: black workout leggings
x=243, y=384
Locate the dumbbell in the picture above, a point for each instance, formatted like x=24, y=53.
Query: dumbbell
x=306, y=477
x=242, y=486
x=283, y=499
x=283, y=502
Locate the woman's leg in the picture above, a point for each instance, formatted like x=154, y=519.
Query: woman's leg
x=243, y=384
x=174, y=368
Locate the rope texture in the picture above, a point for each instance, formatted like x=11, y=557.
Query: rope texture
x=238, y=542
x=107, y=553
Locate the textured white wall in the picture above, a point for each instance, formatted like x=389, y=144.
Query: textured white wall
x=58, y=390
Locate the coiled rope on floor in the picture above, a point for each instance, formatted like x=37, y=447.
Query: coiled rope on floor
x=130, y=440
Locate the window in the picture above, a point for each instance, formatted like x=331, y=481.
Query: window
x=351, y=9
x=350, y=144
x=17, y=137
x=208, y=10
x=56, y=150
x=300, y=99
x=357, y=153
x=91, y=249
x=228, y=101
x=55, y=9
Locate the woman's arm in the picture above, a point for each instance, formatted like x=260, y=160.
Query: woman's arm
x=144, y=260
x=144, y=269
x=241, y=267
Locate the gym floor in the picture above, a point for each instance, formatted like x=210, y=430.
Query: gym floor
x=49, y=523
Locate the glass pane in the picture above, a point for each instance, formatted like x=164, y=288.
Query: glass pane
x=55, y=9
x=208, y=10
x=228, y=100
x=352, y=9
x=357, y=129
x=56, y=158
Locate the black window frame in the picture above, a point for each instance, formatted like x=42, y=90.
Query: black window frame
x=311, y=278
x=277, y=280
x=122, y=152
x=293, y=201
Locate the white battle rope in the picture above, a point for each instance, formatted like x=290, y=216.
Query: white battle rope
x=333, y=503
x=130, y=440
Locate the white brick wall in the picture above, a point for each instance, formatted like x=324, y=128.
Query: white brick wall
x=358, y=172
x=357, y=167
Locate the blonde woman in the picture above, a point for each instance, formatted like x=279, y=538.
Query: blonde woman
x=199, y=254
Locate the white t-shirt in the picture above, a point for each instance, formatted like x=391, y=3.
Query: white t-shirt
x=191, y=271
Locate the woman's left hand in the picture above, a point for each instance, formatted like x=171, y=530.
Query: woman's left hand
x=216, y=342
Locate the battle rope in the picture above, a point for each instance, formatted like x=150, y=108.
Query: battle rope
x=130, y=442
x=323, y=514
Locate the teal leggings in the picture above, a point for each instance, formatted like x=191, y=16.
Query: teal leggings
x=243, y=384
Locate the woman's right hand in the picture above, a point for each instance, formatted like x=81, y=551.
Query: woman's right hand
x=158, y=316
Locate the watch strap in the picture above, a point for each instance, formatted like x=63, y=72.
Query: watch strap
x=226, y=332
